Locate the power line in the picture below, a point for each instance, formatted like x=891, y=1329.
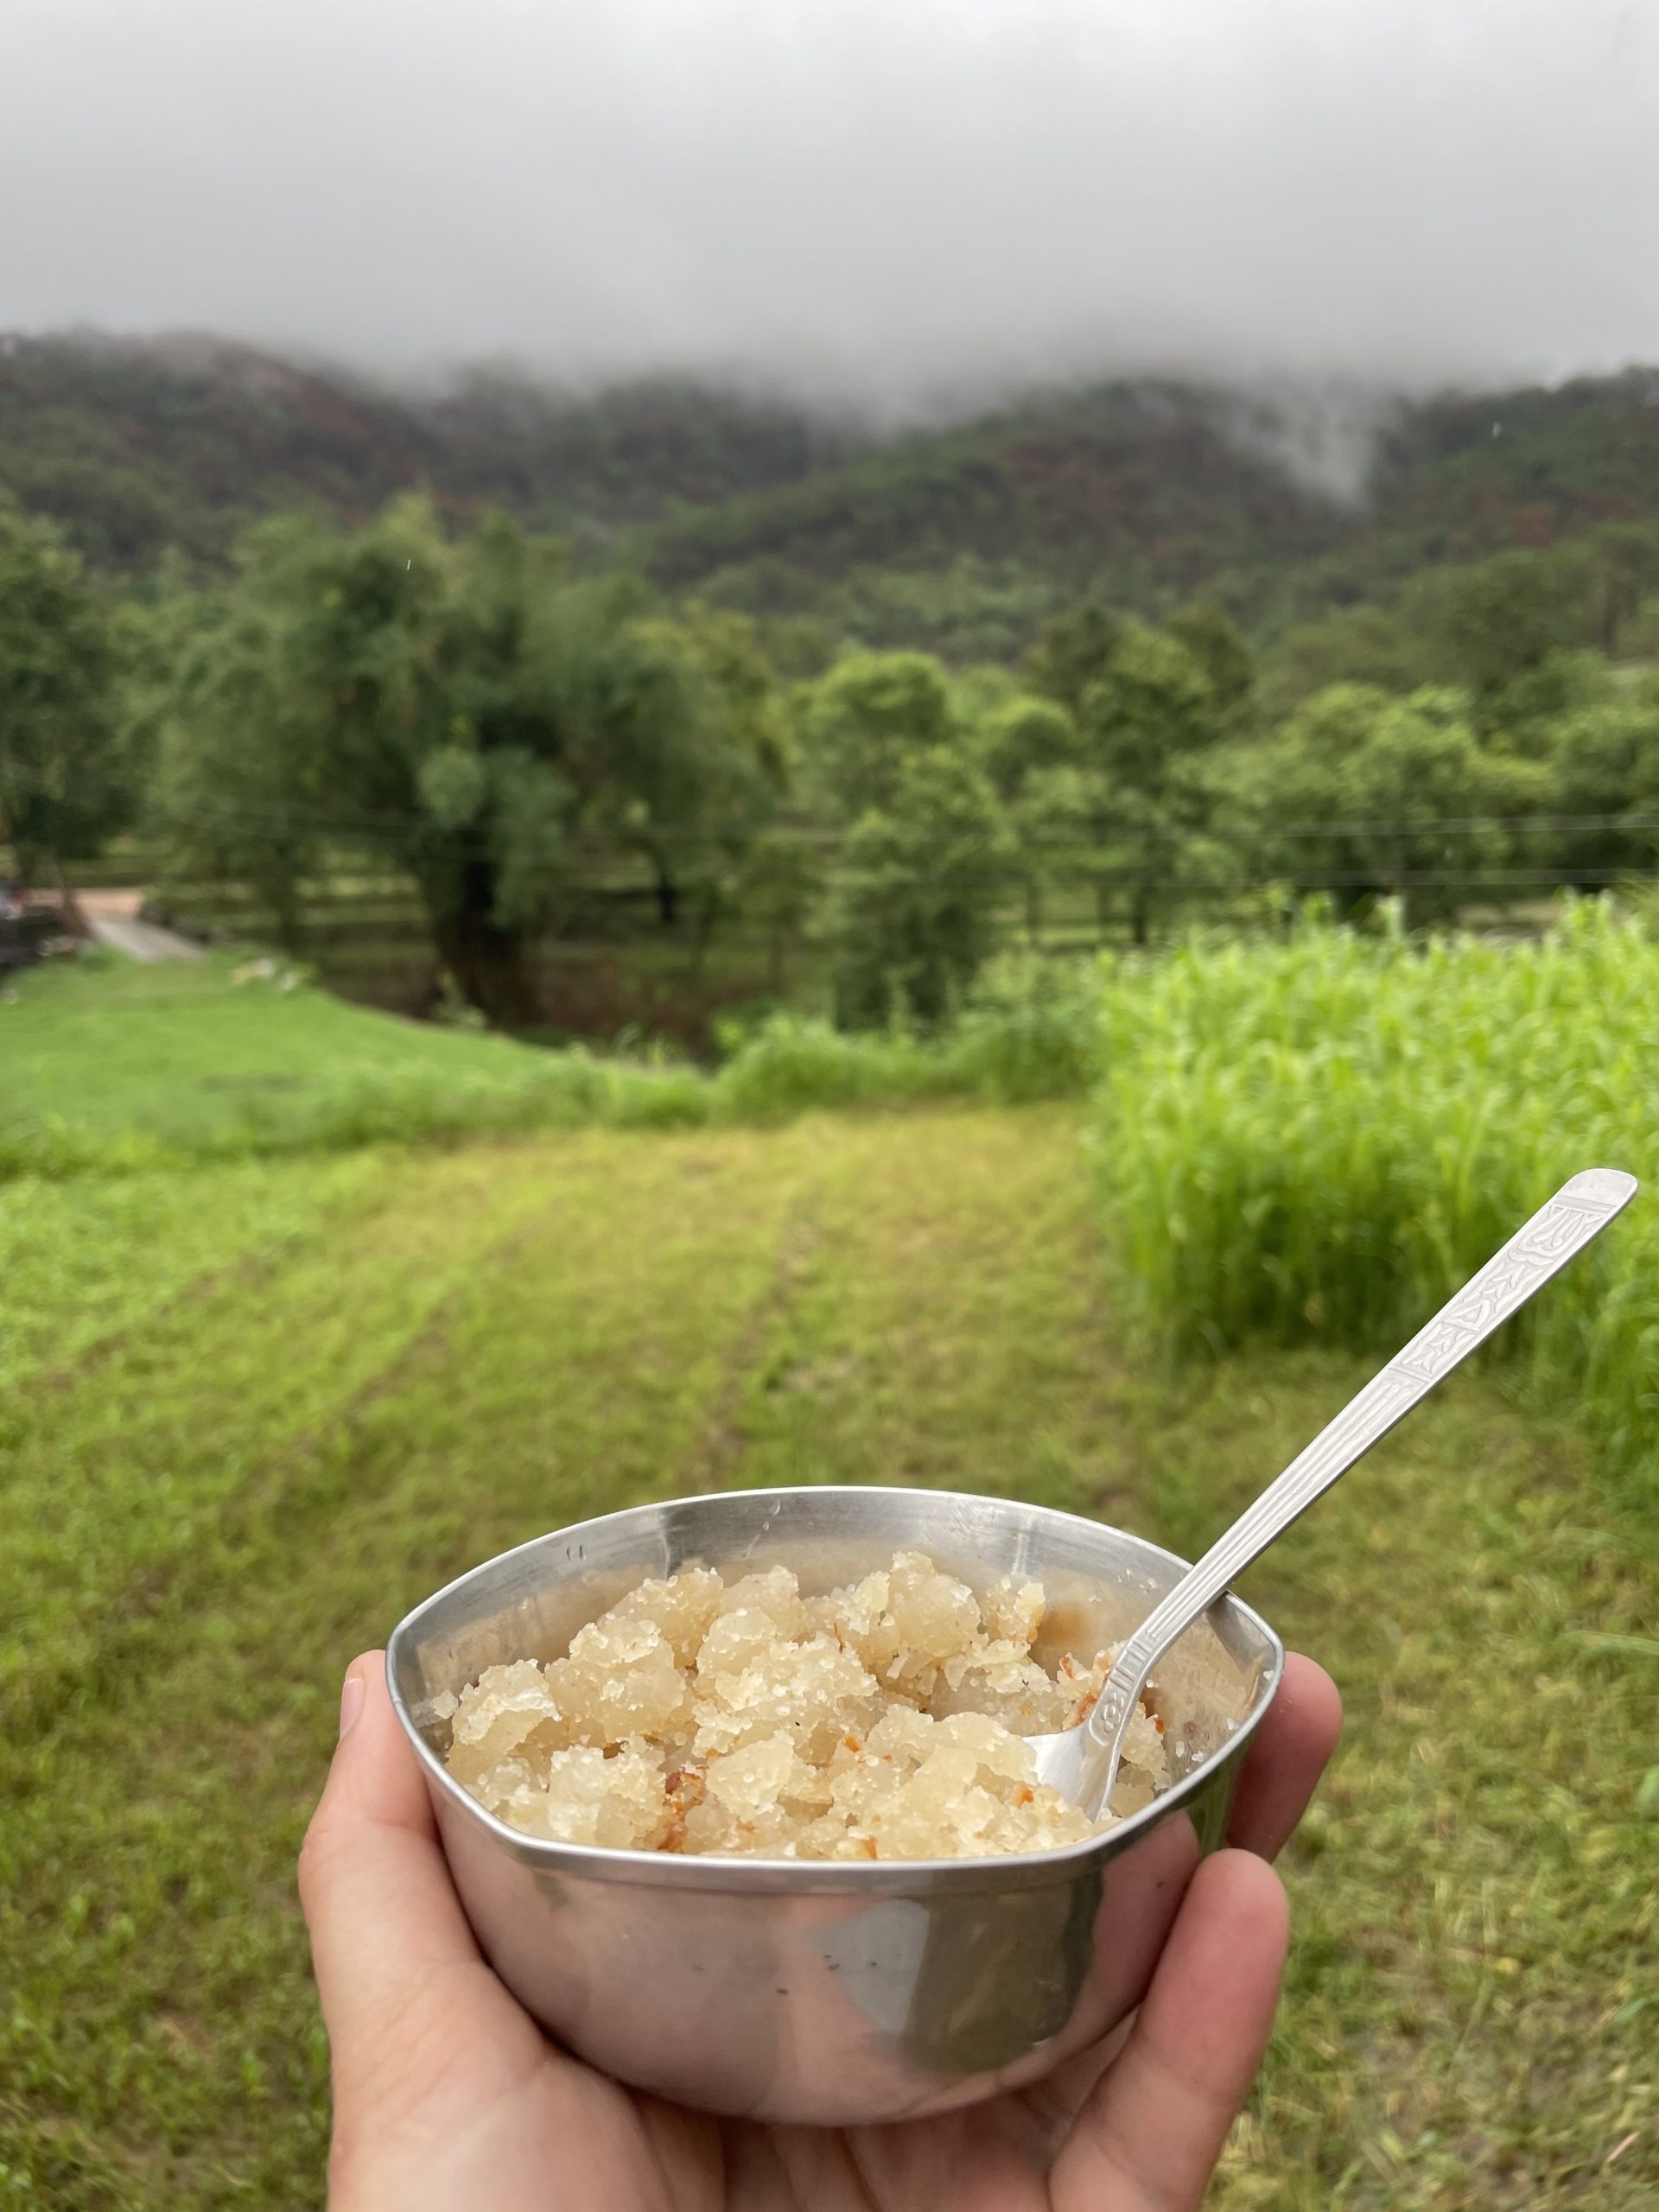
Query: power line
x=411, y=826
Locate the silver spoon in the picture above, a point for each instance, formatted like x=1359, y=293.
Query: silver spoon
x=1081, y=1762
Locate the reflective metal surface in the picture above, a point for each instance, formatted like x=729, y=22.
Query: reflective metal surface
x=791, y=1990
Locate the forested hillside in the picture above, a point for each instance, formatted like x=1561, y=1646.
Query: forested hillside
x=964, y=538
x=136, y=446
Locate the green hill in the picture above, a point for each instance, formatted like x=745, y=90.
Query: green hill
x=137, y=445
x=1150, y=494
x=1147, y=491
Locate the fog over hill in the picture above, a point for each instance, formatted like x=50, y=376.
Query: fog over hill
x=907, y=211
x=1279, y=501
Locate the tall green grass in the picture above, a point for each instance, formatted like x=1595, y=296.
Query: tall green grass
x=1321, y=1138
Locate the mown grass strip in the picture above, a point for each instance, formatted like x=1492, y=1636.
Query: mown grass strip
x=79, y=1274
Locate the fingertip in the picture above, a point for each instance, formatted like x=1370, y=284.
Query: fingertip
x=1290, y=1750
x=1308, y=1692
x=366, y=1673
x=374, y=1768
x=350, y=1702
x=1243, y=1885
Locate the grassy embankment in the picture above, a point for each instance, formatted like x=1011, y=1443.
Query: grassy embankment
x=107, y=1067
x=254, y=1409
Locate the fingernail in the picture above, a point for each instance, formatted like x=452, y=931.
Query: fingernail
x=350, y=1700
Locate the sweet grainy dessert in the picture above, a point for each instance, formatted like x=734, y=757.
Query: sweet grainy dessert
x=882, y=1721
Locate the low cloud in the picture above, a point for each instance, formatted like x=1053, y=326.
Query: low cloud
x=903, y=205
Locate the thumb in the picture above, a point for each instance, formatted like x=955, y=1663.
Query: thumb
x=387, y=1931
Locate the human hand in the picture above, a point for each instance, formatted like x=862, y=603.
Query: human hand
x=448, y=2097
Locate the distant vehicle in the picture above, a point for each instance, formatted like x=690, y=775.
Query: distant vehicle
x=27, y=933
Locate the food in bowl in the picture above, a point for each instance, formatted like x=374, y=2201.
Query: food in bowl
x=882, y=1720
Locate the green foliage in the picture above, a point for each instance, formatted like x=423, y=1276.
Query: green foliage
x=1623, y=560
x=1028, y=1030
x=1105, y=771
x=965, y=540
x=1023, y=737
x=792, y=1063
x=1151, y=707
x=472, y=712
x=864, y=722
x=486, y=724
x=64, y=781
x=1365, y=646
x=138, y=446
x=1605, y=760
x=916, y=892
x=1143, y=496
x=1216, y=644
x=1492, y=621
x=1321, y=1139
x=1377, y=779
x=1071, y=653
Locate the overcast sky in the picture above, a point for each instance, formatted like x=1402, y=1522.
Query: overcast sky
x=884, y=197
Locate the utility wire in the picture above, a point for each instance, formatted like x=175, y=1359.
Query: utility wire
x=423, y=829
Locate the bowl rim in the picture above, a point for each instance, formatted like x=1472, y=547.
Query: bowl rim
x=815, y=1877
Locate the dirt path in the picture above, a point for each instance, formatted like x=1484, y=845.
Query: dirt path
x=113, y=917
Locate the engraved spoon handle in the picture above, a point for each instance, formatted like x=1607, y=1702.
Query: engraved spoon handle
x=1579, y=1211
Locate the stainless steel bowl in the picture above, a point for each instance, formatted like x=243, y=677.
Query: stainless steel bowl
x=791, y=1990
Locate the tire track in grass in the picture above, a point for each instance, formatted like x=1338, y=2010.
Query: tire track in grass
x=642, y=1310
x=719, y=1451
x=949, y=1326
x=113, y=1483
x=89, y=1263
x=574, y=1368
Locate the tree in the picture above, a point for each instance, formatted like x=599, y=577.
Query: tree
x=1491, y=621
x=1357, y=645
x=65, y=782
x=1605, y=761
x=912, y=912
x=1216, y=644
x=470, y=711
x=234, y=796
x=1023, y=736
x=1147, y=723
x=1362, y=787
x=717, y=792
x=1072, y=653
x=866, y=719
x=1107, y=769
x=1521, y=718
x=1623, y=562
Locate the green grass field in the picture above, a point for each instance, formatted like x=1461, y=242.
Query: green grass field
x=108, y=1065
x=272, y=1381
x=256, y=1410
